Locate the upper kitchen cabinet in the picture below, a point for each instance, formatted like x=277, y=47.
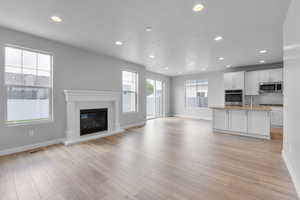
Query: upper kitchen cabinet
x=234, y=81
x=251, y=82
x=253, y=78
x=276, y=75
x=273, y=75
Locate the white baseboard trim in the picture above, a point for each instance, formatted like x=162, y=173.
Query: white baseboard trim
x=134, y=125
x=92, y=137
x=292, y=172
x=29, y=147
x=192, y=117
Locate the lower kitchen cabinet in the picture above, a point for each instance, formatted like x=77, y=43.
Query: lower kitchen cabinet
x=238, y=120
x=277, y=117
x=259, y=123
x=220, y=119
x=252, y=123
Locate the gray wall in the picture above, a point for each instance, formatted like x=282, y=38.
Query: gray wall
x=291, y=144
x=74, y=68
x=167, y=82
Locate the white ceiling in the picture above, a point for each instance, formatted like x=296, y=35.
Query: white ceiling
x=181, y=40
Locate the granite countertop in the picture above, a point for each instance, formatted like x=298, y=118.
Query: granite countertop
x=254, y=108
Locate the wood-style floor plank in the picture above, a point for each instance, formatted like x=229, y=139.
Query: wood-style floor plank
x=168, y=159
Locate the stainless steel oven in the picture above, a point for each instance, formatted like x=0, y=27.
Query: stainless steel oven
x=270, y=87
x=234, y=97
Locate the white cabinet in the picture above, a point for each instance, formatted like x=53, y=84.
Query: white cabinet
x=220, y=119
x=253, y=78
x=251, y=83
x=276, y=75
x=264, y=76
x=277, y=116
x=272, y=75
x=238, y=120
x=259, y=123
x=228, y=81
x=250, y=123
x=234, y=81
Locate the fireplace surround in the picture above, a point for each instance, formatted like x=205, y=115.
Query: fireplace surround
x=84, y=100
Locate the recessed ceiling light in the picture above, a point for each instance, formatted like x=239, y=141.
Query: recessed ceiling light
x=56, y=19
x=203, y=69
x=218, y=38
x=228, y=66
x=151, y=56
x=263, y=51
x=261, y=61
x=198, y=7
x=119, y=43
x=148, y=28
x=221, y=58
x=179, y=73
x=166, y=68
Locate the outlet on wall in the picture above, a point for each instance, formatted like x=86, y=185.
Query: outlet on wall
x=31, y=132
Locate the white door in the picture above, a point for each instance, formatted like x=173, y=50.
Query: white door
x=155, y=98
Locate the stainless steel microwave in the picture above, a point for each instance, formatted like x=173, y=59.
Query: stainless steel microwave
x=270, y=87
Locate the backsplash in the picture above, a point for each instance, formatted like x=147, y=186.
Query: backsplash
x=265, y=99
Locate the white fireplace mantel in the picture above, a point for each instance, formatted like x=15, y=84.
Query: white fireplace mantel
x=90, y=99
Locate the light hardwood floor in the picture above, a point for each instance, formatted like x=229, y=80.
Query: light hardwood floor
x=168, y=159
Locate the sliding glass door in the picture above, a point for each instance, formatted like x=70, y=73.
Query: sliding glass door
x=155, y=98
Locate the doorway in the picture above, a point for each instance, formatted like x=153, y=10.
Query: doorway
x=155, y=98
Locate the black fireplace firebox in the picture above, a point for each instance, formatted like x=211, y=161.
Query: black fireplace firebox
x=93, y=121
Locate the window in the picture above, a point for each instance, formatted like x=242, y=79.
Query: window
x=28, y=81
x=129, y=91
x=196, y=93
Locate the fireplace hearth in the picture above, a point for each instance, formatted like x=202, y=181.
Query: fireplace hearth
x=93, y=121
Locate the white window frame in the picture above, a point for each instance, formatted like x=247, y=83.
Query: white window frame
x=33, y=121
x=185, y=102
x=136, y=92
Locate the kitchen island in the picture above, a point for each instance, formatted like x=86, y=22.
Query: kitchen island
x=251, y=121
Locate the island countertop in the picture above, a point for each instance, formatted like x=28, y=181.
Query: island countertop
x=250, y=108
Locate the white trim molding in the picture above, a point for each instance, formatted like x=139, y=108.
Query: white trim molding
x=291, y=170
x=134, y=125
x=91, y=99
x=192, y=117
x=30, y=147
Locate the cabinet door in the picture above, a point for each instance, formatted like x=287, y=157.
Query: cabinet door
x=277, y=116
x=276, y=75
x=252, y=83
x=264, y=76
x=220, y=119
x=259, y=123
x=228, y=81
x=238, y=80
x=238, y=121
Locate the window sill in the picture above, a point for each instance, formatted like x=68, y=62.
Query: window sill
x=30, y=123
